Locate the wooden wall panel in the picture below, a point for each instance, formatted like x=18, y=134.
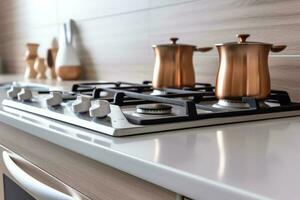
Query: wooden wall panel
x=17, y=16
x=82, y=10
x=285, y=73
x=115, y=37
x=210, y=22
x=22, y=22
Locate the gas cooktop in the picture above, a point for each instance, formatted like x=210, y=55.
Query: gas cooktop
x=122, y=108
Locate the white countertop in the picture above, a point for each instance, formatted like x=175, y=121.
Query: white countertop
x=253, y=160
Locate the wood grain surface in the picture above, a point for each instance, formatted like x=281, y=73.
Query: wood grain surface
x=114, y=38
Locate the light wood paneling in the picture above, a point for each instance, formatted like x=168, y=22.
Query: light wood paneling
x=17, y=16
x=81, y=10
x=22, y=22
x=285, y=73
x=114, y=37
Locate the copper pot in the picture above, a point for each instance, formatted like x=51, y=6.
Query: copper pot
x=243, y=69
x=174, y=65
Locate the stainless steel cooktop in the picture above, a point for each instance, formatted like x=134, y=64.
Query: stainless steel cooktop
x=120, y=108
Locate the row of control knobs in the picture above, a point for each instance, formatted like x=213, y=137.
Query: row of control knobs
x=99, y=108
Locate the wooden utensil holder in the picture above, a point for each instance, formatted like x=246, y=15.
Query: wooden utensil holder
x=30, y=57
x=40, y=68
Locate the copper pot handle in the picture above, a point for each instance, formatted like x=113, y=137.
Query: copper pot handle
x=278, y=48
x=204, y=49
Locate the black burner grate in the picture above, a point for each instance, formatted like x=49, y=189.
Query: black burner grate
x=191, y=99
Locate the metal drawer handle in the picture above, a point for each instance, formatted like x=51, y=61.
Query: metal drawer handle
x=37, y=188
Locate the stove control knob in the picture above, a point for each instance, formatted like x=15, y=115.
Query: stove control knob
x=55, y=99
x=100, y=108
x=82, y=104
x=25, y=95
x=13, y=92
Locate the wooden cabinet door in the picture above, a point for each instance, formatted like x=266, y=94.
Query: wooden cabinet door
x=21, y=179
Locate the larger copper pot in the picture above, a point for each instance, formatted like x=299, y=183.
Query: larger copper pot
x=174, y=65
x=243, y=69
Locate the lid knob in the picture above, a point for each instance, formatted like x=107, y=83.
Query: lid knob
x=174, y=40
x=242, y=37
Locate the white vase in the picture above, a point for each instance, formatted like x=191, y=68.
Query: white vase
x=68, y=66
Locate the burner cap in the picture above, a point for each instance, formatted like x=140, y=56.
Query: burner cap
x=158, y=92
x=154, y=109
x=234, y=104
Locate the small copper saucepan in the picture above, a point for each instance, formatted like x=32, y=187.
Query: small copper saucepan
x=243, y=69
x=174, y=65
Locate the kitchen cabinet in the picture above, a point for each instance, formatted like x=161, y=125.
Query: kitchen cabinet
x=93, y=179
x=21, y=179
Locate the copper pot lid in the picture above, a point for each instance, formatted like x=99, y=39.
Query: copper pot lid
x=242, y=41
x=174, y=44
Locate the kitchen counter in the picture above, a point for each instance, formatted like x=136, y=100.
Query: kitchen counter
x=254, y=160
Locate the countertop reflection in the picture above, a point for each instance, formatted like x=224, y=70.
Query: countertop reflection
x=261, y=157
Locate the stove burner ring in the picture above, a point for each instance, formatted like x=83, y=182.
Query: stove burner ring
x=154, y=109
x=234, y=104
x=158, y=92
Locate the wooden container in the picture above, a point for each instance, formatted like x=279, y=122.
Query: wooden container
x=40, y=68
x=30, y=56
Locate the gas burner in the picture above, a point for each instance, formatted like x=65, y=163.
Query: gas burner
x=231, y=104
x=154, y=109
x=262, y=104
x=158, y=92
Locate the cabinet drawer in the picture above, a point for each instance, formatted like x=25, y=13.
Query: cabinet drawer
x=94, y=179
x=20, y=179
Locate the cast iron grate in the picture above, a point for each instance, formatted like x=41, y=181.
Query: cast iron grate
x=125, y=93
